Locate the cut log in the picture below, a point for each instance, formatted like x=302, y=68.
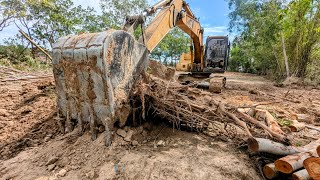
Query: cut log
x=304, y=118
x=297, y=126
x=273, y=124
x=291, y=163
x=269, y=146
x=312, y=165
x=301, y=175
x=264, y=115
x=270, y=171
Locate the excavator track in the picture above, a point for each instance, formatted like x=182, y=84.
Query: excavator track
x=94, y=74
x=217, y=84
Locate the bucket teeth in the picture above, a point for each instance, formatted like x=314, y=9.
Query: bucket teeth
x=94, y=75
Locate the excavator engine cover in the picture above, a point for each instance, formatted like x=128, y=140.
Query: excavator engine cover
x=94, y=75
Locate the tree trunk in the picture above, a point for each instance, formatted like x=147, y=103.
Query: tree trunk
x=312, y=165
x=285, y=55
x=269, y=146
x=270, y=171
x=301, y=175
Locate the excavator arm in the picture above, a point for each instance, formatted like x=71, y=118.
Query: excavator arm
x=173, y=13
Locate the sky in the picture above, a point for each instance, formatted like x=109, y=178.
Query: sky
x=213, y=16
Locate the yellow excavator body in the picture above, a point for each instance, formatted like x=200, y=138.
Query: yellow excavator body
x=185, y=62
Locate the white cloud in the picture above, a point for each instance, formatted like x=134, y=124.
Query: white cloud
x=95, y=4
x=215, y=29
x=152, y=2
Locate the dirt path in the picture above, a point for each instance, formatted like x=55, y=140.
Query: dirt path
x=32, y=148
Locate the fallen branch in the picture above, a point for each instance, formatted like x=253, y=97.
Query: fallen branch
x=25, y=78
x=269, y=130
x=235, y=118
x=312, y=127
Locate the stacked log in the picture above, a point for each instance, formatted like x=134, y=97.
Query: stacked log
x=270, y=171
x=294, y=160
x=301, y=175
x=312, y=166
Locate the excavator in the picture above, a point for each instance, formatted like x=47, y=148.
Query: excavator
x=95, y=72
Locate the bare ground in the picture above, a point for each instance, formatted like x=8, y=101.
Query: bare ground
x=29, y=137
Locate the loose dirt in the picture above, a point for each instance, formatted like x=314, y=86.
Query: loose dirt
x=31, y=146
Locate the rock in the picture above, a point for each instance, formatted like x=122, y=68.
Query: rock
x=128, y=136
x=52, y=160
x=51, y=167
x=126, y=128
x=53, y=178
x=86, y=155
x=4, y=113
x=144, y=133
x=161, y=143
x=139, y=130
x=74, y=167
x=90, y=174
x=101, y=129
x=42, y=178
x=62, y=172
x=121, y=133
x=135, y=143
x=46, y=139
x=147, y=126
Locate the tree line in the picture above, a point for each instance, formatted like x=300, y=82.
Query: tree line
x=276, y=37
x=44, y=21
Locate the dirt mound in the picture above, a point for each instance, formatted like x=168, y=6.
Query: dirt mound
x=159, y=70
x=27, y=111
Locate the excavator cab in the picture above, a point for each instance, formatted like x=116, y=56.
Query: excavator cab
x=216, y=54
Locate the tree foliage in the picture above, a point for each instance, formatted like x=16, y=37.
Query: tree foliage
x=47, y=20
x=259, y=25
x=115, y=12
x=171, y=47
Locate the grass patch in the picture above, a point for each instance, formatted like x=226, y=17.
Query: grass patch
x=29, y=65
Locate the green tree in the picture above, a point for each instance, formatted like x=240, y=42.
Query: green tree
x=171, y=47
x=114, y=12
x=261, y=27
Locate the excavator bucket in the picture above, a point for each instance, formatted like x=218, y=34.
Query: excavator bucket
x=94, y=74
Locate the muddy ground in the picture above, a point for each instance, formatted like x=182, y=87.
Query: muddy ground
x=31, y=147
